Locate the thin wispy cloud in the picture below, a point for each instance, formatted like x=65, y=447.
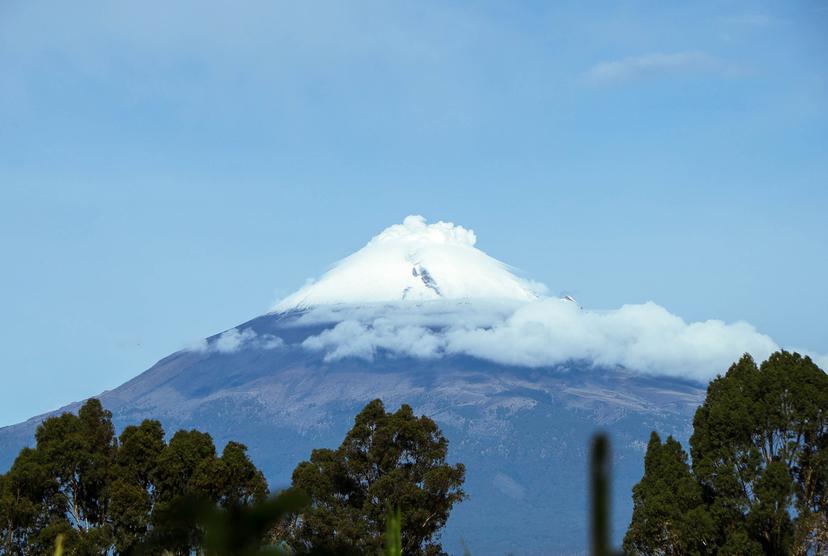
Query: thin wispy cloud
x=649, y=65
x=233, y=340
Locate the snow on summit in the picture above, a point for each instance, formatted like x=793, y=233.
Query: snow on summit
x=425, y=290
x=415, y=261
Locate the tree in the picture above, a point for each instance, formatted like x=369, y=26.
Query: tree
x=106, y=494
x=186, y=466
x=668, y=517
x=387, y=461
x=757, y=445
x=188, y=469
x=760, y=459
x=238, y=481
x=132, y=492
x=78, y=452
x=29, y=502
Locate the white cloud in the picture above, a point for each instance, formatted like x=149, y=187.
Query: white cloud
x=233, y=340
x=471, y=304
x=268, y=341
x=627, y=69
x=351, y=338
x=645, y=338
x=197, y=345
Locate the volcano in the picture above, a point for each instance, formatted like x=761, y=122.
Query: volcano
x=517, y=380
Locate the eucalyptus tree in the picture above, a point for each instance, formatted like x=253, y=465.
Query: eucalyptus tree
x=387, y=461
x=105, y=494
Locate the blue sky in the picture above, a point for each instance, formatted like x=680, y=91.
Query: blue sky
x=168, y=171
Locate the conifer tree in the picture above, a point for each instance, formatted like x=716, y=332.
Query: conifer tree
x=760, y=463
x=667, y=514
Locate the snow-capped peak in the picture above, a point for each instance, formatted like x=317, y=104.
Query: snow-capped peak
x=415, y=261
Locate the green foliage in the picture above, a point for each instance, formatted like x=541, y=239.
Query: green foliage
x=87, y=492
x=78, y=452
x=21, y=513
x=666, y=505
x=99, y=493
x=759, y=473
x=239, y=529
x=185, y=466
x=387, y=460
x=132, y=490
x=237, y=480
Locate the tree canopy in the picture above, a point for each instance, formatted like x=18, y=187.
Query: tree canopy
x=105, y=493
x=387, y=461
x=758, y=483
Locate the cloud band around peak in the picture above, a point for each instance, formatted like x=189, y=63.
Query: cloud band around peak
x=643, y=338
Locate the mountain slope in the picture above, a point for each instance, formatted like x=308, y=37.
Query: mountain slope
x=517, y=381
x=522, y=434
